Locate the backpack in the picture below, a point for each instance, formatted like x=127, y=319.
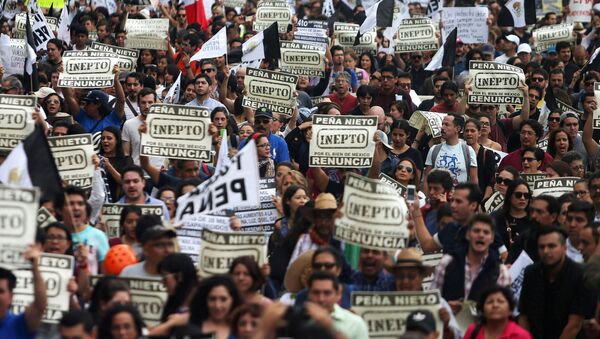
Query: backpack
x=435, y=151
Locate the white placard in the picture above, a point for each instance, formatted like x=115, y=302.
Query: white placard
x=189, y=235
x=268, y=12
x=416, y=34
x=495, y=83
x=345, y=35
x=16, y=121
x=87, y=69
x=554, y=186
x=433, y=121
x=262, y=217
x=111, y=215
x=127, y=58
x=580, y=11
x=302, y=58
x=147, y=33
x=73, y=157
x=471, y=23
x=517, y=273
x=547, y=36
x=274, y=90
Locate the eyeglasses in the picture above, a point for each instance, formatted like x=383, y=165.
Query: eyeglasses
x=264, y=146
x=537, y=79
x=580, y=193
x=387, y=78
x=557, y=119
x=181, y=15
x=56, y=238
x=323, y=265
x=522, y=195
x=208, y=70
x=485, y=123
x=262, y=121
x=404, y=168
x=500, y=180
x=528, y=159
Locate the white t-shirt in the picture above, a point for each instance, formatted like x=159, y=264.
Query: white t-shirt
x=452, y=159
x=129, y=114
x=131, y=134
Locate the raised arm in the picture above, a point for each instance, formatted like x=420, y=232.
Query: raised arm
x=516, y=121
x=591, y=146
x=120, y=104
x=321, y=178
x=223, y=91
x=35, y=311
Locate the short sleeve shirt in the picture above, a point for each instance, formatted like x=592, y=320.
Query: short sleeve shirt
x=97, y=244
x=451, y=158
x=15, y=326
x=92, y=125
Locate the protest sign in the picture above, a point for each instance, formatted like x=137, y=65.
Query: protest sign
x=87, y=69
x=220, y=249
x=342, y=141
x=189, y=235
x=495, y=83
x=498, y=155
x=13, y=56
x=580, y=11
x=41, y=28
x=494, y=202
x=147, y=33
x=317, y=100
x=16, y=121
x=177, y=132
x=547, y=36
x=432, y=121
x=268, y=12
x=262, y=217
x=345, y=35
x=543, y=144
x=236, y=185
x=234, y=3
x=18, y=207
x=532, y=178
x=517, y=273
x=467, y=314
x=417, y=34
x=596, y=113
x=400, y=189
x=149, y=297
x=73, y=157
x=385, y=313
x=274, y=90
x=126, y=58
x=311, y=28
x=313, y=40
x=44, y=217
x=374, y=215
x=430, y=260
x=111, y=214
x=554, y=186
x=56, y=270
x=302, y=59
x=471, y=23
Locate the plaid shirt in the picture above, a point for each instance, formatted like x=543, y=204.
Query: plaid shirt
x=440, y=272
x=384, y=282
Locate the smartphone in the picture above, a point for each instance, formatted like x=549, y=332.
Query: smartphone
x=411, y=192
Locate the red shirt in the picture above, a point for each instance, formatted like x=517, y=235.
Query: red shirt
x=347, y=104
x=443, y=108
x=514, y=159
x=511, y=331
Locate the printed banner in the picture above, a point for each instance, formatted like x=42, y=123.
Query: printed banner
x=18, y=207
x=342, y=141
x=430, y=260
x=311, y=28
x=417, y=34
x=268, y=12
x=547, y=36
x=580, y=11
x=177, y=132
x=16, y=121
x=532, y=178
x=73, y=157
x=494, y=202
x=56, y=270
x=471, y=23
x=385, y=312
x=220, y=249
x=147, y=33
x=301, y=58
x=345, y=35
x=236, y=185
x=262, y=217
x=400, y=189
x=189, y=235
x=87, y=69
x=432, y=120
x=274, y=90
x=111, y=214
x=495, y=83
x=126, y=57
x=554, y=186
x=374, y=215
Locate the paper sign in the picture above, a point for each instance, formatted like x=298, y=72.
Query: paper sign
x=532, y=178
x=547, y=36
x=220, y=249
x=147, y=33
x=18, y=207
x=498, y=155
x=467, y=315
x=274, y=90
x=44, y=217
x=260, y=218
x=16, y=120
x=386, y=312
x=580, y=11
x=73, y=157
x=149, y=297
x=494, y=202
x=177, y=132
x=111, y=214
x=554, y=186
x=302, y=59
x=495, y=83
x=42, y=28
x=311, y=28
x=432, y=120
x=596, y=113
x=126, y=58
x=189, y=235
x=345, y=35
x=517, y=273
x=416, y=34
x=268, y=12
x=401, y=189
x=430, y=260
x=374, y=216
x=13, y=57
x=471, y=23
x=87, y=69
x=342, y=141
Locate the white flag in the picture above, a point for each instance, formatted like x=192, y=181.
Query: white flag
x=223, y=159
x=215, y=47
x=63, y=31
x=172, y=96
x=253, y=49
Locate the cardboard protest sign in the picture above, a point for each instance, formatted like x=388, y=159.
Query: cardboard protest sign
x=16, y=121
x=268, y=12
x=317, y=100
x=274, y=90
x=111, y=213
x=262, y=217
x=416, y=34
x=56, y=270
x=18, y=207
x=126, y=57
x=498, y=155
x=189, y=235
x=302, y=59
x=346, y=33
x=149, y=297
x=234, y=3
x=342, y=141
x=471, y=23
x=467, y=314
x=596, y=113
x=495, y=83
x=44, y=217
x=220, y=249
x=547, y=36
x=432, y=120
x=146, y=33
x=374, y=215
x=385, y=312
x=41, y=28
x=177, y=132
x=73, y=157
x=236, y=185
x=87, y=69
x=494, y=202
x=400, y=189
x=554, y=186
x=517, y=273
x=580, y=11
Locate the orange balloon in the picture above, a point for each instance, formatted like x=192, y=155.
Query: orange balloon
x=117, y=258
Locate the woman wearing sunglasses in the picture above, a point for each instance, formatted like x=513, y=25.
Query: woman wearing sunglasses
x=532, y=158
x=553, y=124
x=502, y=180
x=513, y=218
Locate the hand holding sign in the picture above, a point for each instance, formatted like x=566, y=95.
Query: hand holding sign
x=33, y=253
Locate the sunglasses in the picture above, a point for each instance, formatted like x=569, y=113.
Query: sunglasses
x=324, y=265
x=537, y=79
x=521, y=195
x=500, y=180
x=554, y=119
x=405, y=168
x=208, y=70
x=528, y=159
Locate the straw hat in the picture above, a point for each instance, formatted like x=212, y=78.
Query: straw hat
x=410, y=258
x=299, y=269
x=325, y=201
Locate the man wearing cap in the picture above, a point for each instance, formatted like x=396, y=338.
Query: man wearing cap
x=510, y=48
x=157, y=243
x=96, y=113
x=263, y=121
x=203, y=99
x=422, y=321
x=524, y=53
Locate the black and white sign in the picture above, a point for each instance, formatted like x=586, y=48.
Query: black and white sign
x=547, y=36
x=346, y=33
x=220, y=249
x=126, y=57
x=111, y=214
x=18, y=209
x=147, y=33
x=471, y=23
x=16, y=121
x=554, y=186
x=274, y=90
x=189, y=235
x=432, y=121
x=495, y=83
x=416, y=34
x=87, y=69
x=268, y=12
x=302, y=58
x=73, y=157
x=401, y=189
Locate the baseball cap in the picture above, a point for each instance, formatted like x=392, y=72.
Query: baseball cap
x=488, y=49
x=384, y=139
x=568, y=115
x=551, y=50
x=263, y=112
x=524, y=48
x=514, y=39
x=155, y=232
x=420, y=320
x=96, y=96
x=44, y=92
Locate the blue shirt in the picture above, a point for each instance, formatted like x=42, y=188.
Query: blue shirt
x=92, y=125
x=15, y=326
x=279, y=148
x=151, y=201
x=384, y=282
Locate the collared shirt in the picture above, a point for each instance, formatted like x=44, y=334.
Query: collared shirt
x=384, y=282
x=151, y=201
x=440, y=272
x=349, y=324
x=573, y=253
x=209, y=103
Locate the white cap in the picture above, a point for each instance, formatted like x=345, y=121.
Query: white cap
x=44, y=92
x=514, y=39
x=524, y=48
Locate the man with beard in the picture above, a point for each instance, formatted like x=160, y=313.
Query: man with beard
x=263, y=121
x=371, y=276
x=133, y=85
x=203, y=84
x=131, y=135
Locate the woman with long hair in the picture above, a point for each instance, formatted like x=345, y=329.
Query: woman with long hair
x=293, y=197
x=108, y=291
x=52, y=104
x=367, y=62
x=400, y=150
x=486, y=160
x=127, y=225
x=249, y=279
x=121, y=321
x=501, y=181
x=266, y=166
x=513, y=219
x=559, y=143
x=484, y=139
x=113, y=159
